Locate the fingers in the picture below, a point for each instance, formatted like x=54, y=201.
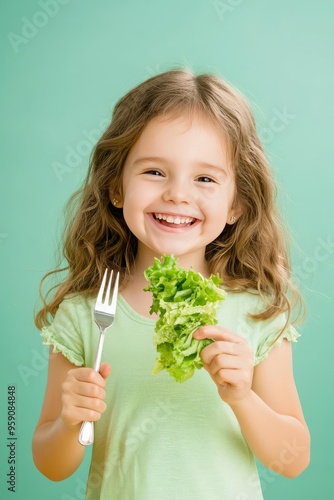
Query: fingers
x=220, y=347
x=227, y=352
x=228, y=360
x=87, y=375
x=83, y=395
x=79, y=409
x=229, y=377
x=217, y=333
x=105, y=370
x=223, y=361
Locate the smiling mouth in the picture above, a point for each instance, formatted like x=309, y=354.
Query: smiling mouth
x=173, y=220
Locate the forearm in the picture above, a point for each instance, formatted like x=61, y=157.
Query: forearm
x=280, y=442
x=56, y=450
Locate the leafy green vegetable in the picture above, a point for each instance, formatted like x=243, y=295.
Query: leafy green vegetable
x=184, y=301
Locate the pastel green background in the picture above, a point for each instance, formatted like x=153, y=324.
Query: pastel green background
x=60, y=82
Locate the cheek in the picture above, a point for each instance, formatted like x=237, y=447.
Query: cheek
x=131, y=197
x=130, y=211
x=215, y=204
x=133, y=210
x=130, y=220
x=222, y=202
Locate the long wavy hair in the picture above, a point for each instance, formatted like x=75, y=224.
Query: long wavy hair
x=250, y=255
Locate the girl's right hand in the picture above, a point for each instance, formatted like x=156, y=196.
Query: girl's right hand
x=83, y=395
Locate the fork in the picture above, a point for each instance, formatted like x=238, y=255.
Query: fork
x=104, y=315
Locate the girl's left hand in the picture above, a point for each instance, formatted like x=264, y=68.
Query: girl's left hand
x=229, y=362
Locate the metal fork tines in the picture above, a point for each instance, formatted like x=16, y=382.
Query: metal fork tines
x=104, y=314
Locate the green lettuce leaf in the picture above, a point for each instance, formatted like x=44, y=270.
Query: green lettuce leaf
x=184, y=301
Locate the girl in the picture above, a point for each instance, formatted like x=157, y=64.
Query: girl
x=180, y=170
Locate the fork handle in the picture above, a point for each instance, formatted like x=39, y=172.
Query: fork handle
x=98, y=357
x=86, y=434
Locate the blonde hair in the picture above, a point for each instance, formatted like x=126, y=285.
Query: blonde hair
x=250, y=255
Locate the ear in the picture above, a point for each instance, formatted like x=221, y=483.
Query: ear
x=115, y=198
x=234, y=213
x=116, y=201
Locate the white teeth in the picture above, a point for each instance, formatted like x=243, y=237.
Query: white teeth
x=174, y=220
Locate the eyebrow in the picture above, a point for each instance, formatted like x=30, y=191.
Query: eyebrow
x=158, y=159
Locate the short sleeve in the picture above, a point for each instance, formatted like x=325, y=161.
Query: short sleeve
x=64, y=333
x=270, y=336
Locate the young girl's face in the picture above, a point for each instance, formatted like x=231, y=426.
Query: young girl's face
x=178, y=188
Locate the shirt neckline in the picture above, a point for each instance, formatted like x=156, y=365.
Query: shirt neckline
x=131, y=313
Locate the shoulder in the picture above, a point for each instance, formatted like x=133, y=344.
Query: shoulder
x=242, y=303
x=72, y=312
x=234, y=313
x=75, y=303
x=261, y=335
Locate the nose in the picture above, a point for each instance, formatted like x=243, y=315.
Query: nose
x=178, y=191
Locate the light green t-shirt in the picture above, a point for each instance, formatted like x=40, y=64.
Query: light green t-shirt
x=159, y=439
